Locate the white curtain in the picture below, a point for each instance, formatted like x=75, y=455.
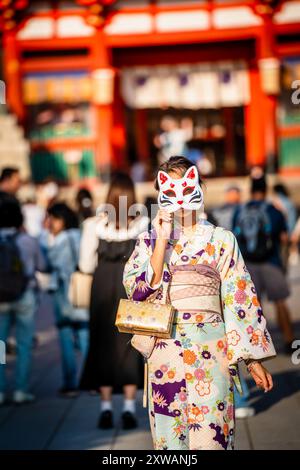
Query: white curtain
x=186, y=86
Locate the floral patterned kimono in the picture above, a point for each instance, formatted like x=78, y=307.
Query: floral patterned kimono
x=218, y=322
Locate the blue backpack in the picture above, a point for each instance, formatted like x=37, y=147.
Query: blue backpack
x=13, y=281
x=253, y=231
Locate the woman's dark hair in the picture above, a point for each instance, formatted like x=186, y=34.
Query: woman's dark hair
x=177, y=164
x=10, y=212
x=8, y=172
x=120, y=185
x=259, y=185
x=62, y=211
x=279, y=188
x=82, y=194
x=84, y=201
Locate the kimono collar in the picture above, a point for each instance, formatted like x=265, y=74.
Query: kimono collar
x=201, y=229
x=201, y=234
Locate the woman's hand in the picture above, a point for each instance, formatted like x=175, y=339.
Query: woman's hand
x=163, y=224
x=261, y=376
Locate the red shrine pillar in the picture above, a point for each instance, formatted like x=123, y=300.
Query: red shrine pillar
x=12, y=74
x=254, y=121
x=269, y=70
x=118, y=128
x=103, y=84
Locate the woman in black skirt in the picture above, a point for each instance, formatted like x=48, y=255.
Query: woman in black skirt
x=107, y=242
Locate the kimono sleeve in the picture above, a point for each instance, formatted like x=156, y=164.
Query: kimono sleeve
x=245, y=324
x=137, y=269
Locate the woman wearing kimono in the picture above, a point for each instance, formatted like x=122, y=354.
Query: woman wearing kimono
x=218, y=321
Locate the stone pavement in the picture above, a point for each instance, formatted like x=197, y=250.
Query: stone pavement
x=58, y=423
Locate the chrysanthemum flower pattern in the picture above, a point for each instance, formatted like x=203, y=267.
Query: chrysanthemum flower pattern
x=191, y=375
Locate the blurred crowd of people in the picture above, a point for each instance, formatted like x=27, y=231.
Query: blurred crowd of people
x=42, y=245
x=266, y=229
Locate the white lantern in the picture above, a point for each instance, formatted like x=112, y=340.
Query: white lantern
x=103, y=86
x=269, y=69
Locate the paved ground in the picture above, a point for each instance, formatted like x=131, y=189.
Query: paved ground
x=57, y=423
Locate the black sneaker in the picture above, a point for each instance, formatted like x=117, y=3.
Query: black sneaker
x=106, y=420
x=129, y=420
x=68, y=392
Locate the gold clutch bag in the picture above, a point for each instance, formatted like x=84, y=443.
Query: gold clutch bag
x=145, y=318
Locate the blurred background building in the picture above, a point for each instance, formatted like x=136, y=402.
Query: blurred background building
x=92, y=85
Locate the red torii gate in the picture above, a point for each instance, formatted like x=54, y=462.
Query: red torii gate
x=98, y=13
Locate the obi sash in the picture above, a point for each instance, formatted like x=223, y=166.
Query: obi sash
x=195, y=293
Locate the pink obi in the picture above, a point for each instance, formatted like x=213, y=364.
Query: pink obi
x=195, y=293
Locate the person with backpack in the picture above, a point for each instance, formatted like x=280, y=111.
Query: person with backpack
x=20, y=258
x=260, y=229
x=62, y=242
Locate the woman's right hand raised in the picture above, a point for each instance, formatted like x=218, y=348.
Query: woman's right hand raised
x=163, y=224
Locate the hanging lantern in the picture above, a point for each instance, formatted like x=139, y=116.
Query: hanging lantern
x=4, y=3
x=269, y=69
x=11, y=12
x=95, y=2
x=95, y=20
x=108, y=2
x=103, y=86
x=21, y=4
x=86, y=2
